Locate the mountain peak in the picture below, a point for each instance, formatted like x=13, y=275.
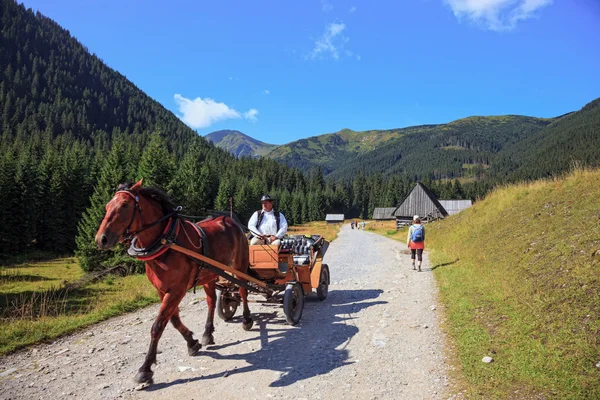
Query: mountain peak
x=238, y=143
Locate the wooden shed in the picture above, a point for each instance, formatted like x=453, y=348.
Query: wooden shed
x=334, y=218
x=421, y=202
x=455, y=206
x=384, y=213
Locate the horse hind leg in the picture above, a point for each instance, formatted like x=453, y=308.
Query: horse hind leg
x=168, y=307
x=248, y=322
x=193, y=345
x=211, y=300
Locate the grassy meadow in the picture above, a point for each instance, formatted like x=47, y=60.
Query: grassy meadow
x=41, y=301
x=518, y=275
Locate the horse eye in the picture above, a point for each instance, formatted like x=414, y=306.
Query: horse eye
x=125, y=205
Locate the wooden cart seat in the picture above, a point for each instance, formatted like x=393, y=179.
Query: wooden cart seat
x=268, y=262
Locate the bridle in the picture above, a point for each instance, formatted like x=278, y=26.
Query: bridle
x=128, y=235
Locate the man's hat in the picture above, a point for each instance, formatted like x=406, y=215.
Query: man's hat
x=265, y=197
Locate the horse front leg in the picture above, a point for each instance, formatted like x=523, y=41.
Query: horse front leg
x=211, y=300
x=247, y=323
x=193, y=345
x=169, y=305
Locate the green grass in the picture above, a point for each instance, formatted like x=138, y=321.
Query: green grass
x=37, y=303
x=518, y=276
x=525, y=289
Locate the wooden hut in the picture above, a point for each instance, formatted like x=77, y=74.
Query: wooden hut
x=455, y=206
x=421, y=202
x=334, y=218
x=384, y=213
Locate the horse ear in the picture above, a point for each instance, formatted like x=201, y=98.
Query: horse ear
x=137, y=186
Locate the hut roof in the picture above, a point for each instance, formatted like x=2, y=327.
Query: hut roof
x=335, y=217
x=384, y=213
x=455, y=206
x=421, y=202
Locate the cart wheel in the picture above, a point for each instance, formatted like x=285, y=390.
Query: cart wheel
x=323, y=288
x=293, y=303
x=225, y=306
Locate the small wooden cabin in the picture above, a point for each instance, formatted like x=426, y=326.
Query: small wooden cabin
x=384, y=213
x=334, y=218
x=420, y=201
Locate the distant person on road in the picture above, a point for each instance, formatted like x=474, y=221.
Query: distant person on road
x=363, y=224
x=416, y=241
x=268, y=223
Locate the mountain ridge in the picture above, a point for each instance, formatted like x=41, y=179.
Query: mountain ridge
x=238, y=143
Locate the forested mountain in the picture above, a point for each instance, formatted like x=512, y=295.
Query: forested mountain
x=463, y=148
x=239, y=144
x=571, y=140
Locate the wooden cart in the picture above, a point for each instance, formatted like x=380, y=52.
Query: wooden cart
x=282, y=275
x=289, y=272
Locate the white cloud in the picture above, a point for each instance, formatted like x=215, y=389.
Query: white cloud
x=201, y=113
x=251, y=114
x=331, y=43
x=266, y=91
x=497, y=15
x=352, y=9
x=326, y=6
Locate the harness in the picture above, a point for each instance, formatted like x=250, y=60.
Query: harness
x=169, y=236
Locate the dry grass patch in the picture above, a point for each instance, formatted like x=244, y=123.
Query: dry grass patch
x=328, y=231
x=37, y=303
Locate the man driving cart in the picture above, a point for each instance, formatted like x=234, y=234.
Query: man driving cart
x=267, y=225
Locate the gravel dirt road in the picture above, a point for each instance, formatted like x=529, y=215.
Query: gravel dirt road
x=375, y=337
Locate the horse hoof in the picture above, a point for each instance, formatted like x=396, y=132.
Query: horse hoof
x=208, y=339
x=144, y=377
x=247, y=325
x=193, y=350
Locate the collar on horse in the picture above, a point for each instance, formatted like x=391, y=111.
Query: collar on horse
x=161, y=244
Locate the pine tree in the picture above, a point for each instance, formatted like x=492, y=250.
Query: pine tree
x=156, y=165
x=111, y=175
x=9, y=195
x=195, y=185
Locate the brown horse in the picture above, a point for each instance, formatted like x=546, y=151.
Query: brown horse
x=147, y=214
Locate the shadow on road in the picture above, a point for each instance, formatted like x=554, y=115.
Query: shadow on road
x=315, y=347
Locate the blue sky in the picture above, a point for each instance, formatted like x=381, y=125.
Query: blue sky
x=282, y=70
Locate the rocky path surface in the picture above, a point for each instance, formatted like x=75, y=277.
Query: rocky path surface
x=375, y=337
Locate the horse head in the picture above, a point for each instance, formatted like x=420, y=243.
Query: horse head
x=123, y=215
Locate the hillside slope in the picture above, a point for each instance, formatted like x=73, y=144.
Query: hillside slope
x=518, y=277
x=572, y=139
x=460, y=148
x=51, y=84
x=239, y=144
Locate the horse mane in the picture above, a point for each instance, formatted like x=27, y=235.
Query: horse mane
x=154, y=193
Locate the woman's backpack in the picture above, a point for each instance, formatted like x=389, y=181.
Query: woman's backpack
x=418, y=233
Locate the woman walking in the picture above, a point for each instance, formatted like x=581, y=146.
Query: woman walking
x=416, y=241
